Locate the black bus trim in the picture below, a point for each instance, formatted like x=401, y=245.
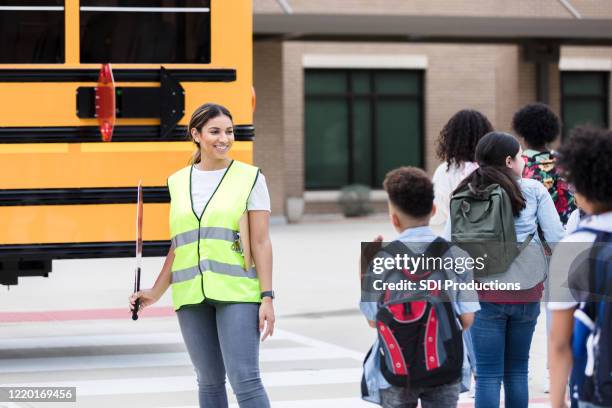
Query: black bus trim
x=77, y=250
x=82, y=196
x=119, y=75
x=91, y=134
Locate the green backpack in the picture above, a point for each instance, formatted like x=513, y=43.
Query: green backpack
x=482, y=224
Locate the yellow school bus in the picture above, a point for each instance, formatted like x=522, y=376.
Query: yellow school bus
x=66, y=190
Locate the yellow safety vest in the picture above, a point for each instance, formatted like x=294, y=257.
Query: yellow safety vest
x=208, y=260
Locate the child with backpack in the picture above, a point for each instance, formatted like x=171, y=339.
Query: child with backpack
x=538, y=126
x=418, y=354
x=494, y=208
x=581, y=332
x=456, y=146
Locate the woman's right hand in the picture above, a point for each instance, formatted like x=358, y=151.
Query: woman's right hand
x=147, y=298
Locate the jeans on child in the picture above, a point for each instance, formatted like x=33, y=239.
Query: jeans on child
x=222, y=336
x=502, y=335
x=469, y=362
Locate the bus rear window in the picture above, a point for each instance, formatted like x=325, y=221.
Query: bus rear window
x=31, y=31
x=133, y=31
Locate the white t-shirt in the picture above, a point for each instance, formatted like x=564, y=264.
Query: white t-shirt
x=204, y=183
x=573, y=221
x=445, y=181
x=573, y=247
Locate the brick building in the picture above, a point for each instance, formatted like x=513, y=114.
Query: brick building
x=347, y=89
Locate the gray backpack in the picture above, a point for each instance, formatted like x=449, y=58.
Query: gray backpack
x=482, y=224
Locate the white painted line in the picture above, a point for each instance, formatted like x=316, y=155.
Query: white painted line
x=150, y=9
x=318, y=403
x=465, y=396
x=113, y=340
x=309, y=341
x=31, y=8
x=30, y=365
x=85, y=341
x=188, y=383
x=312, y=377
x=321, y=403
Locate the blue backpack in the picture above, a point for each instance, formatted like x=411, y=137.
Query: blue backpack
x=591, y=378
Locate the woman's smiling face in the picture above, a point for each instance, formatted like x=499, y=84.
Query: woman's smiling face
x=215, y=138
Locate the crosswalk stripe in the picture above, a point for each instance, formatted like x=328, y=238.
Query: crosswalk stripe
x=308, y=341
x=25, y=365
x=464, y=402
x=318, y=403
x=84, y=341
x=311, y=349
x=132, y=339
x=188, y=383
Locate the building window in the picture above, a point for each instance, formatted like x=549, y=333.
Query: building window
x=584, y=99
x=359, y=124
x=132, y=31
x=31, y=31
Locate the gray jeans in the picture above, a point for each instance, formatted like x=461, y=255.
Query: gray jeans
x=441, y=396
x=220, y=337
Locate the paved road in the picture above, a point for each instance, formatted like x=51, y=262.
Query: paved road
x=72, y=329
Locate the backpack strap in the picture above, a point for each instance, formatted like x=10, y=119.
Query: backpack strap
x=597, y=282
x=526, y=242
x=588, y=229
x=546, y=152
x=397, y=247
x=601, y=280
x=436, y=248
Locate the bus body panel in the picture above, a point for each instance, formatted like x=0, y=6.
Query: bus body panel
x=81, y=165
x=46, y=224
x=66, y=194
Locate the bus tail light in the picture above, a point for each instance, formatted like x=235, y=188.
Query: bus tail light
x=105, y=102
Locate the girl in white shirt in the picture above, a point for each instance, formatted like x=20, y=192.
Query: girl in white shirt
x=456, y=146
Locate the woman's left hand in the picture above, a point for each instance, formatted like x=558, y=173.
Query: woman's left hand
x=266, y=318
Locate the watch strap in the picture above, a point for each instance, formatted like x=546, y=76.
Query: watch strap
x=267, y=293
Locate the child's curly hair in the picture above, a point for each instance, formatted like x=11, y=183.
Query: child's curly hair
x=537, y=124
x=460, y=135
x=410, y=190
x=586, y=162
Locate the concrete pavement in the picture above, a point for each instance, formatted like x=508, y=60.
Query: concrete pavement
x=84, y=339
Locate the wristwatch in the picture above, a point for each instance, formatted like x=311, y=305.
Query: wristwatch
x=267, y=293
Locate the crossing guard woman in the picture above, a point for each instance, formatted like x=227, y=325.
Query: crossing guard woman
x=222, y=302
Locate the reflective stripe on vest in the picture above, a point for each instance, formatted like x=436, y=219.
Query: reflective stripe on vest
x=205, y=233
x=208, y=262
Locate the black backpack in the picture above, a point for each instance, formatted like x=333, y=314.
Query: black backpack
x=421, y=342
